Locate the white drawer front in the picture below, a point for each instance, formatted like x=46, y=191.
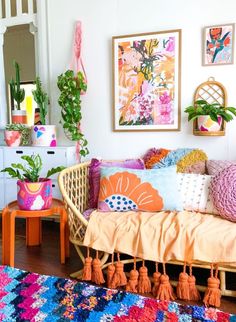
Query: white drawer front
x=1, y=163
x=13, y=155
x=53, y=158
x=55, y=190
x=2, y=201
x=10, y=190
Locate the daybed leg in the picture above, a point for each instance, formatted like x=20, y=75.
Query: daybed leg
x=222, y=282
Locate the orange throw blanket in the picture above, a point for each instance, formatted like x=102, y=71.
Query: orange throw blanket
x=163, y=236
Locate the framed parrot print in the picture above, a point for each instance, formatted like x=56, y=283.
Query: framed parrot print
x=218, y=43
x=146, y=81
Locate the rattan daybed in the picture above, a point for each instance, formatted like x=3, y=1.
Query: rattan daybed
x=74, y=186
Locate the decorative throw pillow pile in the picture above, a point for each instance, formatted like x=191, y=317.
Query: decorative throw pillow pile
x=94, y=174
x=187, y=160
x=223, y=191
x=195, y=192
x=144, y=190
x=215, y=166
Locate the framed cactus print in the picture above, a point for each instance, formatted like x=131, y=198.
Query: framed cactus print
x=146, y=81
x=218, y=42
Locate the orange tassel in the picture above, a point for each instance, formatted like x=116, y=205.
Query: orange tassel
x=165, y=290
x=212, y=293
x=156, y=280
x=144, y=284
x=133, y=279
x=194, y=294
x=87, y=271
x=119, y=278
x=182, y=288
x=110, y=272
x=97, y=275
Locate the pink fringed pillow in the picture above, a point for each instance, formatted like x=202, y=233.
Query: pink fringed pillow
x=223, y=192
x=94, y=174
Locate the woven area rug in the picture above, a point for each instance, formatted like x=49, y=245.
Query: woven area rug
x=28, y=296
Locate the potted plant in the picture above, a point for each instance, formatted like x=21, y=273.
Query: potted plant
x=17, y=134
x=34, y=192
x=71, y=87
x=42, y=135
x=209, y=117
x=18, y=96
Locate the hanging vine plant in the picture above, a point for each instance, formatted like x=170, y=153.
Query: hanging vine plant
x=71, y=87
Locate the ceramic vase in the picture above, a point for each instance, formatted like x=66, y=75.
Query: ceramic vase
x=44, y=135
x=12, y=138
x=19, y=116
x=205, y=123
x=34, y=195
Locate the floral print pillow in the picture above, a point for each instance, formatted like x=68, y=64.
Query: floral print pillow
x=145, y=190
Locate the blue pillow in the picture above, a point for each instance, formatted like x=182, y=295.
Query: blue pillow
x=145, y=190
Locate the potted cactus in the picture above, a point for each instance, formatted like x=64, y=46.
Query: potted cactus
x=18, y=96
x=42, y=134
x=34, y=192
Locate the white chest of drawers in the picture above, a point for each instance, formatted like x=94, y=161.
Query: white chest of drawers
x=51, y=157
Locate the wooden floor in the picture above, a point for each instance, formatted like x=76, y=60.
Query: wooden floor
x=45, y=259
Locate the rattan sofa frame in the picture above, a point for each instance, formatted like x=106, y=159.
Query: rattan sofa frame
x=74, y=187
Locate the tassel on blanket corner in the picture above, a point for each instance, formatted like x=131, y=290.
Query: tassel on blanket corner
x=110, y=272
x=97, y=275
x=119, y=277
x=144, y=283
x=133, y=279
x=156, y=280
x=182, y=289
x=212, y=294
x=87, y=271
x=165, y=290
x=194, y=294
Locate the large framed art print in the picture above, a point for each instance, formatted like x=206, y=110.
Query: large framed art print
x=146, y=81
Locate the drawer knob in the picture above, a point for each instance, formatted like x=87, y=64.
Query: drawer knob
x=50, y=152
x=19, y=151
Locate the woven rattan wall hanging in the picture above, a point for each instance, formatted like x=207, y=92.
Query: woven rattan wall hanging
x=212, y=92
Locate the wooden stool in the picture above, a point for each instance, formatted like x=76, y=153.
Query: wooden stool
x=33, y=229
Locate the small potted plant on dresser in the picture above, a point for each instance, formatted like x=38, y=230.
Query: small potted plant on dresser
x=42, y=134
x=209, y=117
x=17, y=134
x=18, y=96
x=71, y=86
x=34, y=192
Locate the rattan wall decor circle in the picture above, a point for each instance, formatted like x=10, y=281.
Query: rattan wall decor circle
x=212, y=92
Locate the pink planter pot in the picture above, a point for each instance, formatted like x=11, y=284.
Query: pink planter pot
x=205, y=123
x=34, y=195
x=12, y=138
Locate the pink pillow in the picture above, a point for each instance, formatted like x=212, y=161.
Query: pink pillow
x=215, y=166
x=94, y=174
x=223, y=192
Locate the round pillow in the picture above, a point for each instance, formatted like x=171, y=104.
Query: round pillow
x=223, y=192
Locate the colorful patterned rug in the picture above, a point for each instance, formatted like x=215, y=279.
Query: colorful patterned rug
x=28, y=296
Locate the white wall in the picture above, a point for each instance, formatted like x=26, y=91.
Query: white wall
x=103, y=19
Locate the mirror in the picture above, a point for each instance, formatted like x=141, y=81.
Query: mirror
x=19, y=45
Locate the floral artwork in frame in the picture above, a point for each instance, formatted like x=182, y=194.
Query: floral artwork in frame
x=146, y=81
x=218, y=45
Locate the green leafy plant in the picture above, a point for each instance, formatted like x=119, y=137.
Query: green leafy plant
x=17, y=93
x=201, y=107
x=71, y=86
x=23, y=129
x=41, y=98
x=30, y=171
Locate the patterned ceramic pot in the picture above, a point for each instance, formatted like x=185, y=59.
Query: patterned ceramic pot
x=34, y=195
x=205, y=123
x=12, y=138
x=19, y=116
x=44, y=135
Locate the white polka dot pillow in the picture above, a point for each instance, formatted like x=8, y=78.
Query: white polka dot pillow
x=195, y=192
x=145, y=190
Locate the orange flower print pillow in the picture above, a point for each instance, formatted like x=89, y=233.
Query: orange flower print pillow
x=145, y=190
